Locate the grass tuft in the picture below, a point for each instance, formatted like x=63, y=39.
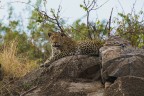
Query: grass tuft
x=13, y=64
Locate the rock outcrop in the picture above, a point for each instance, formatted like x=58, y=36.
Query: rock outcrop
x=69, y=76
x=118, y=72
x=126, y=86
x=122, y=69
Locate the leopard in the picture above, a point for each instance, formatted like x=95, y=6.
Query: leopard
x=63, y=45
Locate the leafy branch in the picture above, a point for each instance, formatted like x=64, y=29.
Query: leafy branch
x=55, y=18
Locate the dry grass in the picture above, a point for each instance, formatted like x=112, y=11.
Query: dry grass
x=13, y=64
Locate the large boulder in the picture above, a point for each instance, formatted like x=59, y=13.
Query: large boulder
x=119, y=59
x=126, y=86
x=121, y=63
x=69, y=76
x=126, y=62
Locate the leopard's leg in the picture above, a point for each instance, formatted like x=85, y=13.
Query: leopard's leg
x=53, y=54
x=58, y=56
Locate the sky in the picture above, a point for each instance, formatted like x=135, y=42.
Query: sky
x=71, y=10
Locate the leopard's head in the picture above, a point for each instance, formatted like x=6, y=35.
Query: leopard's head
x=57, y=39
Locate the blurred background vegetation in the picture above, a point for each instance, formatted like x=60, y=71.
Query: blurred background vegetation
x=22, y=50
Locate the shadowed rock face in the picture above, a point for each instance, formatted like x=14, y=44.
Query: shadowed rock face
x=69, y=76
x=126, y=86
x=128, y=65
x=125, y=62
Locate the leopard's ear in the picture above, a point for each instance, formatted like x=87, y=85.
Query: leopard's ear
x=62, y=34
x=49, y=34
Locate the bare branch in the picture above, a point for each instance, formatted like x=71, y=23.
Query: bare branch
x=133, y=6
x=110, y=22
x=85, y=4
x=101, y=5
x=58, y=23
x=92, y=4
x=59, y=10
x=88, y=2
x=23, y=94
x=45, y=16
x=106, y=26
x=121, y=6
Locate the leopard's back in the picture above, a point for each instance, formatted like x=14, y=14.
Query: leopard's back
x=88, y=47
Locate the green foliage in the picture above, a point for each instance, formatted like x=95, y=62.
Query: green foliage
x=82, y=6
x=131, y=27
x=80, y=31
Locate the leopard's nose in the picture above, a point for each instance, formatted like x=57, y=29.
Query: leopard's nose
x=55, y=43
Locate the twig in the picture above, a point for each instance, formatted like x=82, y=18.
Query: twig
x=121, y=6
x=106, y=26
x=133, y=6
x=101, y=5
x=57, y=21
x=28, y=91
x=110, y=22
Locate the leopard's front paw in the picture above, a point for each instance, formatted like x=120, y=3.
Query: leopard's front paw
x=46, y=64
